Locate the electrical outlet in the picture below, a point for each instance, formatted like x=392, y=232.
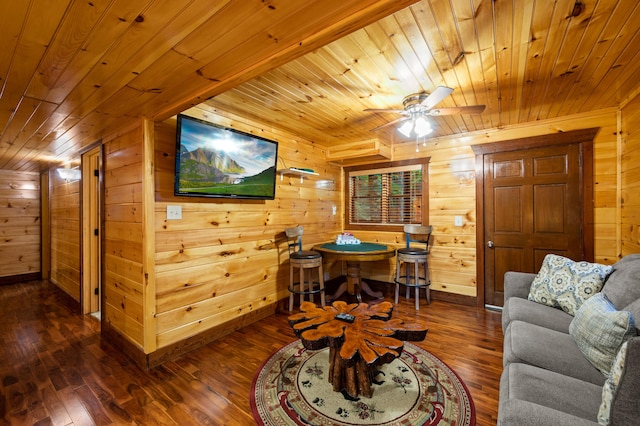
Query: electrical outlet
x=326, y=276
x=457, y=221
x=174, y=212
x=334, y=210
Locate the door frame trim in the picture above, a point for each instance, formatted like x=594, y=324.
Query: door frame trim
x=85, y=231
x=584, y=138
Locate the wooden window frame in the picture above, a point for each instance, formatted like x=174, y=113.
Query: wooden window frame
x=386, y=165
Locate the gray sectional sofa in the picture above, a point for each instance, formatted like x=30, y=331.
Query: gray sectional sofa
x=547, y=379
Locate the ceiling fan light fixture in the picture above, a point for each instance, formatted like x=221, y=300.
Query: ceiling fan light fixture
x=406, y=128
x=422, y=127
x=418, y=107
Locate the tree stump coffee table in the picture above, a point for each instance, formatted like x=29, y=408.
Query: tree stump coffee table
x=360, y=338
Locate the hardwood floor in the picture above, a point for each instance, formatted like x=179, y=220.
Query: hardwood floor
x=55, y=369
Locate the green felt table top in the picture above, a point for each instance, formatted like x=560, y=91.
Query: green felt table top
x=354, y=247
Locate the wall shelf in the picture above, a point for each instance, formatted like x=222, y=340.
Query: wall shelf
x=296, y=172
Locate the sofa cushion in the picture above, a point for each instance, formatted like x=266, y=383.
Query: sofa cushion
x=516, y=412
x=566, y=284
x=517, y=309
x=625, y=406
x=550, y=392
x=634, y=308
x=599, y=330
x=517, y=284
x=611, y=386
x=549, y=349
x=622, y=287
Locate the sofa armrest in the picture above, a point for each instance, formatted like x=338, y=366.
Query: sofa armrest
x=516, y=412
x=625, y=408
x=517, y=284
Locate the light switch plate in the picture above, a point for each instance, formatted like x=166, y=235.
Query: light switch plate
x=457, y=221
x=174, y=212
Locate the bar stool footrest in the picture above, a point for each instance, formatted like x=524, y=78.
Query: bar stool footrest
x=293, y=290
x=422, y=282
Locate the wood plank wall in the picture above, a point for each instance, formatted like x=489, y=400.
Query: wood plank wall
x=19, y=223
x=630, y=178
x=65, y=234
x=123, y=237
x=228, y=258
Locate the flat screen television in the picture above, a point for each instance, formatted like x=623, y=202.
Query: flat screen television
x=215, y=161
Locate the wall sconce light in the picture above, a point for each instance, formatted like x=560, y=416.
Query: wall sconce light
x=69, y=175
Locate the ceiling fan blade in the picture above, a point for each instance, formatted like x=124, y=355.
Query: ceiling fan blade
x=473, y=109
x=398, y=111
x=436, y=96
x=389, y=123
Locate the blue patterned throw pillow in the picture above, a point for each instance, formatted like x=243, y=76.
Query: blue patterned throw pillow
x=565, y=284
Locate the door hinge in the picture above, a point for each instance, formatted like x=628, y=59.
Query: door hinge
x=96, y=291
x=96, y=173
x=95, y=232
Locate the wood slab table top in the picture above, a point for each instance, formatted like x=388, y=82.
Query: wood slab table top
x=366, y=338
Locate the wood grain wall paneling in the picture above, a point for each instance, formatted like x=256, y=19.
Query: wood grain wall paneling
x=19, y=223
x=630, y=178
x=228, y=258
x=123, y=274
x=65, y=234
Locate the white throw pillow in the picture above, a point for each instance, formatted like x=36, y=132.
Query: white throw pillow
x=565, y=284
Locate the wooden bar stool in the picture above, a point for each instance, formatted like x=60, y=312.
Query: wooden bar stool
x=303, y=260
x=413, y=258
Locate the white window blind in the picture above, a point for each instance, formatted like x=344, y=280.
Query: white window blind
x=390, y=196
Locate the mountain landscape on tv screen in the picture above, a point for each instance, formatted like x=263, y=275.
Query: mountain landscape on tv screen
x=204, y=171
x=202, y=166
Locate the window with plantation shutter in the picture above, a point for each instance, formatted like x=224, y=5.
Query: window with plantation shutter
x=386, y=197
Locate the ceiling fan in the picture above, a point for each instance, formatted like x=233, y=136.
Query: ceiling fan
x=420, y=105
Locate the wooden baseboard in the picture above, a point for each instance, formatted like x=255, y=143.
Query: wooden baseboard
x=459, y=299
x=148, y=361
x=191, y=343
x=111, y=336
x=389, y=290
x=14, y=279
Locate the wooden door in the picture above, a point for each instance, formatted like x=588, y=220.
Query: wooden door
x=532, y=202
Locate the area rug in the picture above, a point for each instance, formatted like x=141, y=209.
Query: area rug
x=291, y=388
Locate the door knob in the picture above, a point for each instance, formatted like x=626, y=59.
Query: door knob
x=490, y=244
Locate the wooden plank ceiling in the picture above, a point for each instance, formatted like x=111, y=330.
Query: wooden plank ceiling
x=71, y=70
